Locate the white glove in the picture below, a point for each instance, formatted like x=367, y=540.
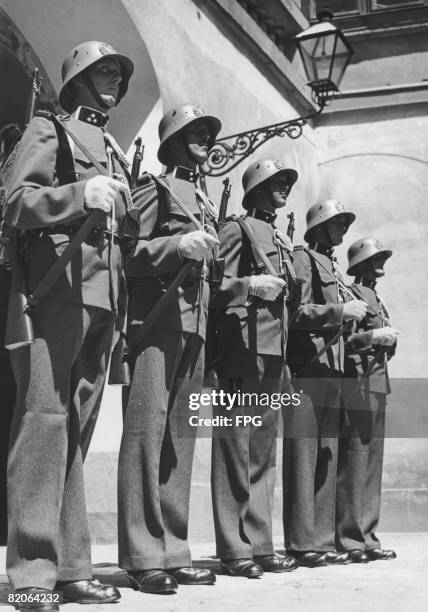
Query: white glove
x=385, y=336
x=266, y=286
x=354, y=309
x=197, y=245
x=101, y=192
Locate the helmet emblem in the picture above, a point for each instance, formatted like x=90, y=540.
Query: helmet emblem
x=340, y=207
x=106, y=49
x=277, y=164
x=378, y=244
x=197, y=111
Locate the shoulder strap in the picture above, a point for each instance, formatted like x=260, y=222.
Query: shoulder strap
x=258, y=252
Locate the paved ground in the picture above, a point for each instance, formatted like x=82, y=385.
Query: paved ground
x=393, y=586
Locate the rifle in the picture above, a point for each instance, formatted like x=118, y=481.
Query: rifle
x=19, y=328
x=224, y=200
x=136, y=161
x=36, y=84
x=291, y=227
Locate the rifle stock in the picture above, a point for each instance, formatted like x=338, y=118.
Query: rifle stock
x=291, y=226
x=136, y=161
x=19, y=327
x=224, y=200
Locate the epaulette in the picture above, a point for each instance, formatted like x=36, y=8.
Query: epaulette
x=299, y=247
x=49, y=115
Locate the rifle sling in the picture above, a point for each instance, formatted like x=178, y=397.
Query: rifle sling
x=96, y=217
x=141, y=332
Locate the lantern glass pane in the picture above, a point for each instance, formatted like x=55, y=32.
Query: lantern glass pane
x=307, y=63
x=322, y=56
x=341, y=58
x=317, y=55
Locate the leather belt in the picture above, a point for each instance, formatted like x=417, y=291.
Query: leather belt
x=194, y=277
x=70, y=230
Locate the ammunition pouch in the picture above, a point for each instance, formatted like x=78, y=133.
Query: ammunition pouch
x=216, y=275
x=128, y=232
x=295, y=293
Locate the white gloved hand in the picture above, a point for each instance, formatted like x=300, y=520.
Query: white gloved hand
x=354, y=309
x=266, y=286
x=197, y=245
x=101, y=192
x=385, y=336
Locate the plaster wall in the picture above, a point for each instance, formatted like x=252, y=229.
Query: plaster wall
x=378, y=168
x=53, y=27
x=194, y=60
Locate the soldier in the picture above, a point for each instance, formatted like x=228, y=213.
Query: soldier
x=315, y=354
x=252, y=336
x=177, y=223
x=60, y=377
x=360, y=459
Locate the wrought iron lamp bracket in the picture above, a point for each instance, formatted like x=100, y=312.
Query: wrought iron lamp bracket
x=230, y=151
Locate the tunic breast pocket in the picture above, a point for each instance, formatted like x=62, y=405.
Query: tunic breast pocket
x=178, y=220
x=328, y=287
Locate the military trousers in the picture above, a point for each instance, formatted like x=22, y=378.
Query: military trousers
x=244, y=462
x=359, y=472
x=156, y=453
x=310, y=466
x=60, y=379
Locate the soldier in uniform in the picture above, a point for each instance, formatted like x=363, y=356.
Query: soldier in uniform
x=360, y=458
x=315, y=354
x=60, y=377
x=251, y=339
x=177, y=223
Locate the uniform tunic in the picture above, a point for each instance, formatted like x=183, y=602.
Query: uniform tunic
x=251, y=337
x=60, y=377
x=156, y=453
x=361, y=445
x=310, y=445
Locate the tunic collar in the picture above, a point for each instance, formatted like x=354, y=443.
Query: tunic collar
x=263, y=215
x=185, y=174
x=91, y=116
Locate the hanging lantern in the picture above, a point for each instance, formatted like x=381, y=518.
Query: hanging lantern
x=325, y=54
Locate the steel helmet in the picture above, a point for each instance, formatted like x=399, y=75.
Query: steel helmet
x=323, y=211
x=179, y=117
x=260, y=171
x=84, y=55
x=363, y=249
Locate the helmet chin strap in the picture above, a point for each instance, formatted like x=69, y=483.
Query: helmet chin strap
x=186, y=148
x=92, y=90
x=327, y=234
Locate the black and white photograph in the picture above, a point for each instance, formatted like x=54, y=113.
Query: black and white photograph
x=213, y=305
